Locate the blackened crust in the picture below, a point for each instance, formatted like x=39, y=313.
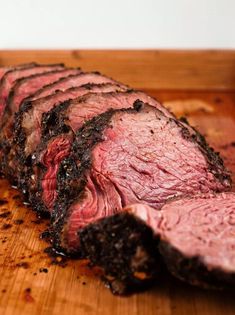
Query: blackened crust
x=71, y=178
x=57, y=116
x=52, y=122
x=125, y=248
x=215, y=163
x=193, y=270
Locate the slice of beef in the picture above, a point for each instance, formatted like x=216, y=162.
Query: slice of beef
x=24, y=88
x=195, y=237
x=198, y=238
x=30, y=131
x=11, y=76
x=74, y=81
x=85, y=108
x=73, y=113
x=130, y=156
x=41, y=180
x=4, y=70
x=31, y=112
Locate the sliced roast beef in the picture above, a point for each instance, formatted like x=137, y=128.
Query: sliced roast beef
x=11, y=76
x=195, y=237
x=3, y=70
x=130, y=156
x=22, y=89
x=74, y=112
x=6, y=69
x=30, y=129
x=85, y=108
x=74, y=81
x=31, y=112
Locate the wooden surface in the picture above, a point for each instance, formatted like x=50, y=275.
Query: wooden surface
x=162, y=69
x=72, y=288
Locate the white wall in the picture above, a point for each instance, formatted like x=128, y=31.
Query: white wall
x=117, y=24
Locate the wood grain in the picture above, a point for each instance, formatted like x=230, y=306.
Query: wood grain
x=157, y=69
x=74, y=289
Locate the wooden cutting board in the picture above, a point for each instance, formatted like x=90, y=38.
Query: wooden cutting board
x=199, y=85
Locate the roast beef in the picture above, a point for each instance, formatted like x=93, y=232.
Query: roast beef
x=11, y=76
x=6, y=69
x=31, y=134
x=74, y=112
x=28, y=119
x=22, y=89
x=27, y=130
x=3, y=70
x=74, y=81
x=130, y=156
x=195, y=237
x=63, y=120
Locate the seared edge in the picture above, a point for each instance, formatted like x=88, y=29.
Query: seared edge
x=125, y=248
x=193, y=270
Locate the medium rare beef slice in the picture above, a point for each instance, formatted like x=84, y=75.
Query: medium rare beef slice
x=68, y=117
x=75, y=81
x=31, y=112
x=198, y=238
x=25, y=87
x=4, y=70
x=22, y=89
x=42, y=178
x=130, y=156
x=23, y=71
x=27, y=133
x=72, y=113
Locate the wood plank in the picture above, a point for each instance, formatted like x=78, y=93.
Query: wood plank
x=156, y=69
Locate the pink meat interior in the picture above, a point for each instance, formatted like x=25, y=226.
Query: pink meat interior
x=59, y=148
x=10, y=78
x=32, y=119
x=76, y=80
x=143, y=159
x=202, y=227
x=31, y=85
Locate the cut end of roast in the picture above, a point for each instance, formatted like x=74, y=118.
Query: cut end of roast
x=125, y=248
x=193, y=236
x=201, y=228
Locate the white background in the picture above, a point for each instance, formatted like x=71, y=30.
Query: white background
x=117, y=24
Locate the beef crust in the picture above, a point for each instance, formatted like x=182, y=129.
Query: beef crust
x=192, y=269
x=131, y=256
x=71, y=178
x=125, y=248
